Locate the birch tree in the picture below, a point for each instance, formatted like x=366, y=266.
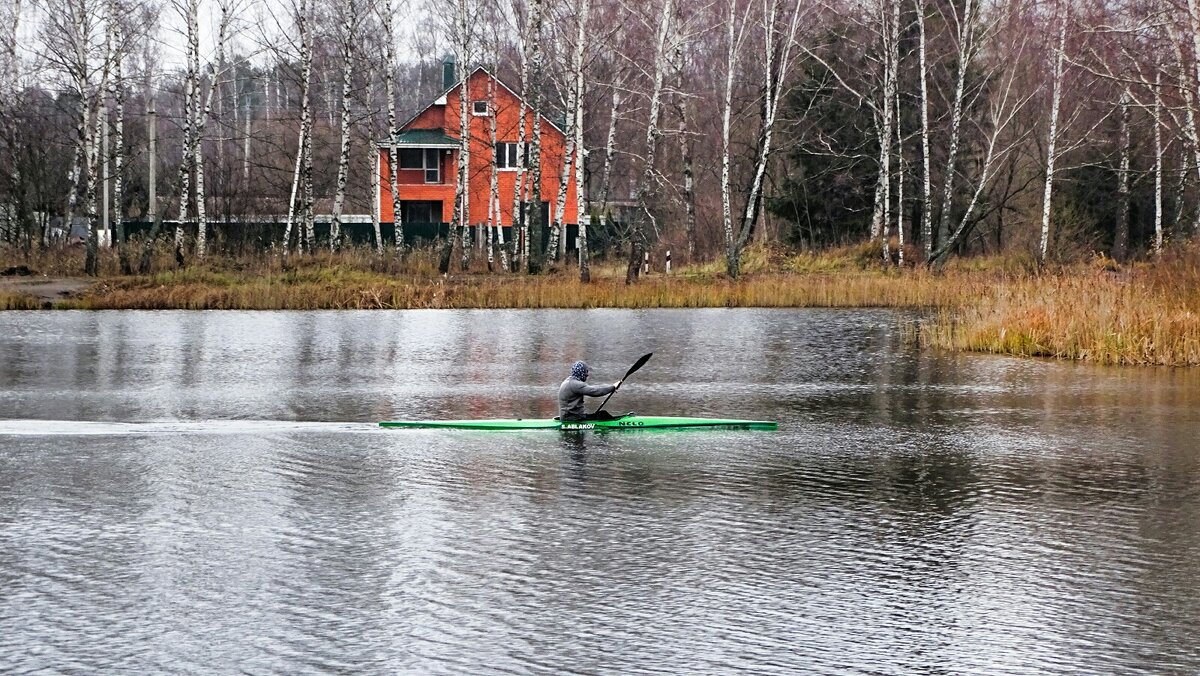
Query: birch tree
x=459, y=221
x=73, y=47
x=1156, y=117
x=1120, y=249
x=581, y=201
x=1052, y=139
x=117, y=93
x=349, y=12
x=10, y=91
x=926, y=173
x=685, y=158
x=389, y=80
x=646, y=188
x=573, y=154
x=302, y=176
x=780, y=34
x=533, y=42
x=520, y=217
x=610, y=139
x=1004, y=103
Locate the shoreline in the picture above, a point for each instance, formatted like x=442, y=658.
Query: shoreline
x=1145, y=313
x=46, y=290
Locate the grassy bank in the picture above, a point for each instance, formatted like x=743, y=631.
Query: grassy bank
x=360, y=280
x=1146, y=313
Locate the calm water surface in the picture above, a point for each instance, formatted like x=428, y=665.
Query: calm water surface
x=206, y=492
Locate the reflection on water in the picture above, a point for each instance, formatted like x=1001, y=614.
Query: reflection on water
x=207, y=492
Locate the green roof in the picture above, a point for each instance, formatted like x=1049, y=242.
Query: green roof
x=425, y=138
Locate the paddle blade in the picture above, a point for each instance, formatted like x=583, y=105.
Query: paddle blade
x=638, y=364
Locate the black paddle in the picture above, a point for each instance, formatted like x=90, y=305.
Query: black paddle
x=632, y=369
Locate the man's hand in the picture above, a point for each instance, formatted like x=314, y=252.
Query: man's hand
x=617, y=385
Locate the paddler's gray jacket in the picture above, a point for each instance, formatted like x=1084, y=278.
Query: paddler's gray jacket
x=571, y=394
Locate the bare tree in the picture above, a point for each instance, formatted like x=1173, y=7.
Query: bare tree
x=1052, y=142
x=780, y=26
x=350, y=21
x=646, y=188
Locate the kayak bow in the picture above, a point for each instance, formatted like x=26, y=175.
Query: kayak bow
x=627, y=422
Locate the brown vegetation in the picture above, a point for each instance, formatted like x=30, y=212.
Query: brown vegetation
x=1142, y=314
x=1098, y=312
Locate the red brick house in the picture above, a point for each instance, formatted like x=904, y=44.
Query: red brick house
x=428, y=146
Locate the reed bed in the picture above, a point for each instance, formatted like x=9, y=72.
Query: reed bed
x=1146, y=313
x=352, y=289
x=13, y=300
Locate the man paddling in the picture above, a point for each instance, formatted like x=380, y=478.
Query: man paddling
x=574, y=389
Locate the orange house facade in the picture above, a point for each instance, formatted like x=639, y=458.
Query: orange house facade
x=428, y=147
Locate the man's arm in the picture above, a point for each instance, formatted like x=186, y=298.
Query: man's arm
x=595, y=390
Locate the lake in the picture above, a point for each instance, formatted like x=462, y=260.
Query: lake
x=208, y=492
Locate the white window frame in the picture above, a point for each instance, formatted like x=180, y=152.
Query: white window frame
x=475, y=108
x=400, y=159
x=512, y=156
x=436, y=153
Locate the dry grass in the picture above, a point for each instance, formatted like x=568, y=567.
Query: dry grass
x=12, y=300
x=1148, y=313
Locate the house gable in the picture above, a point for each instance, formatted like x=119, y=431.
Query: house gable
x=429, y=143
x=433, y=115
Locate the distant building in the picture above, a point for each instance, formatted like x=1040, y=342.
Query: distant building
x=428, y=146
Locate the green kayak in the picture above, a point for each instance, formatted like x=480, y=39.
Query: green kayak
x=628, y=422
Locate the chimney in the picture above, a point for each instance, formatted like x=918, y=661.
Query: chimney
x=449, y=74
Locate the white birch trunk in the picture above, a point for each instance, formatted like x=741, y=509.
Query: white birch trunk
x=1120, y=248
x=554, y=248
x=581, y=205
x=880, y=216
x=732, y=45
x=461, y=213
x=246, y=143
x=965, y=50
x=389, y=80
x=1051, y=154
x=118, y=95
x=610, y=143
x=926, y=177
x=646, y=188
x=775, y=70
x=198, y=136
x=495, y=215
x=689, y=184
x=901, y=239
x=376, y=228
x=349, y=21
x=1194, y=24
x=520, y=219
x=189, y=115
x=573, y=151
x=1191, y=131
x=533, y=243
x=291, y=216
x=1158, y=164
x=1178, y=227
x=307, y=40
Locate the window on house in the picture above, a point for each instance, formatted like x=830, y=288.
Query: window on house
x=433, y=165
x=411, y=158
x=479, y=107
x=506, y=155
x=427, y=160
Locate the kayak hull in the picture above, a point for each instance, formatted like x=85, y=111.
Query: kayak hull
x=629, y=422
